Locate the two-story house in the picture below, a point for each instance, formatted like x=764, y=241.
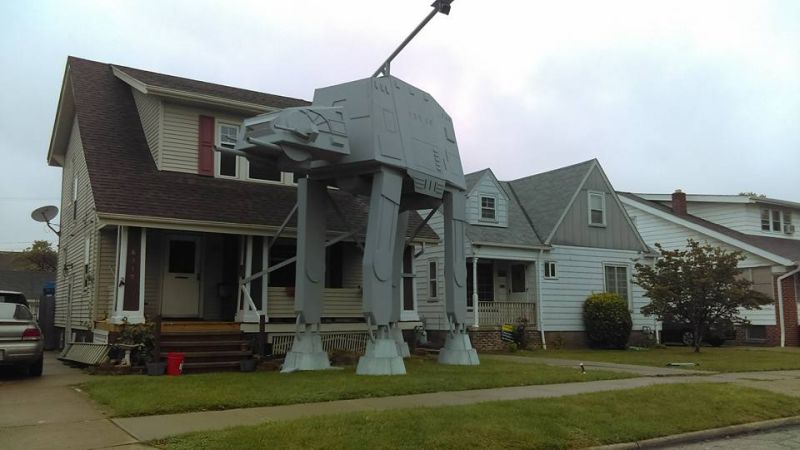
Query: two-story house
x=155, y=222
x=763, y=229
x=536, y=248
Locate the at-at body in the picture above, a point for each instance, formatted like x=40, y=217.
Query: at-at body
x=387, y=139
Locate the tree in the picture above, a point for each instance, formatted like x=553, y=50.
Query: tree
x=39, y=257
x=752, y=194
x=699, y=287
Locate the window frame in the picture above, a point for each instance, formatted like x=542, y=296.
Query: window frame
x=433, y=281
x=627, y=267
x=784, y=220
x=553, y=270
x=242, y=164
x=603, y=210
x=481, y=208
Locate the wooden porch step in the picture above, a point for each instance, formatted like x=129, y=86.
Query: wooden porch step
x=239, y=354
x=215, y=335
x=172, y=326
x=197, y=367
x=192, y=344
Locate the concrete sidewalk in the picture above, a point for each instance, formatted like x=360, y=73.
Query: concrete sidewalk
x=646, y=371
x=47, y=413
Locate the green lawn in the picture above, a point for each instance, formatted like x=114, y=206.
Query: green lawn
x=142, y=395
x=567, y=422
x=718, y=359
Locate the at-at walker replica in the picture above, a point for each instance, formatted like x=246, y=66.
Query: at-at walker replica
x=389, y=140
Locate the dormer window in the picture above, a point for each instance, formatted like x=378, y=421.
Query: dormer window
x=488, y=208
x=776, y=221
x=232, y=166
x=597, y=209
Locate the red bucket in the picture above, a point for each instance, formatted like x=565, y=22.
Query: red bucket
x=174, y=363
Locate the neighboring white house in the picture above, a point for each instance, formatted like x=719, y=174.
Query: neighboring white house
x=536, y=248
x=761, y=228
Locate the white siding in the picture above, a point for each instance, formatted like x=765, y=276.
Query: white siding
x=580, y=273
x=745, y=218
x=106, y=269
x=672, y=236
x=487, y=186
x=431, y=310
x=76, y=228
x=764, y=282
x=150, y=114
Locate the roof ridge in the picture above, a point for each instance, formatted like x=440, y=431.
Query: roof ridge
x=553, y=170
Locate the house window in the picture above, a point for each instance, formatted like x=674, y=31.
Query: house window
x=597, y=208
x=433, y=285
x=237, y=167
x=488, y=208
x=756, y=333
x=228, y=165
x=74, y=191
x=776, y=221
x=616, y=279
x=550, y=270
x=517, y=278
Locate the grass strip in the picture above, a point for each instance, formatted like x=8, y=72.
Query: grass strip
x=141, y=395
x=553, y=423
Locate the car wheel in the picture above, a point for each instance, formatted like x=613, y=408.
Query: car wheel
x=688, y=338
x=35, y=369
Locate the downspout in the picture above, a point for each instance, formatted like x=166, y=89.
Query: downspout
x=780, y=303
x=539, y=314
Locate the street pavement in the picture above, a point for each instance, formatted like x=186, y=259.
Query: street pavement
x=773, y=440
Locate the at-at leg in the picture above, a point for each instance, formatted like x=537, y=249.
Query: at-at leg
x=397, y=283
x=457, y=349
x=307, y=352
x=380, y=310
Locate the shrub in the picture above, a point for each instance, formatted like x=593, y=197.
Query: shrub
x=607, y=321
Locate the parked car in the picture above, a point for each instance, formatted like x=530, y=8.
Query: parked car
x=21, y=342
x=13, y=297
x=681, y=333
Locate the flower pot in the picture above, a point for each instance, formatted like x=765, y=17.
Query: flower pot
x=248, y=365
x=156, y=368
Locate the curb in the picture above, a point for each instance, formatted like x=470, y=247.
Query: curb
x=698, y=436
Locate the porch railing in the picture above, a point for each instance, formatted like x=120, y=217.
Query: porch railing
x=499, y=313
x=337, y=302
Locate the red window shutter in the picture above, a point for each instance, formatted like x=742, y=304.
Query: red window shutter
x=205, y=147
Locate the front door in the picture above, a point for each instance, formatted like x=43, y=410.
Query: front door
x=181, y=292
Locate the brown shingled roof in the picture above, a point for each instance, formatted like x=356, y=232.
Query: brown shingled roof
x=216, y=90
x=125, y=180
x=787, y=248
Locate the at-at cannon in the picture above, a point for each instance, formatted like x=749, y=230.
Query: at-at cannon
x=385, y=138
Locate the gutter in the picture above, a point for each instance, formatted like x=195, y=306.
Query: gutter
x=780, y=302
x=539, y=299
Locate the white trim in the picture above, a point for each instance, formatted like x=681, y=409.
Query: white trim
x=628, y=274
x=435, y=278
x=603, y=209
x=138, y=315
x=118, y=314
x=265, y=278
x=710, y=233
x=496, y=218
x=554, y=269
x=740, y=199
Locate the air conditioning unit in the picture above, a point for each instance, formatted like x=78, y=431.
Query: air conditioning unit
x=788, y=229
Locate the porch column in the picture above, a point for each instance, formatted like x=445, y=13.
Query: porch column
x=265, y=278
x=475, y=306
x=244, y=314
x=130, y=271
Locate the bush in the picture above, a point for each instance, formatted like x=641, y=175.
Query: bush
x=607, y=321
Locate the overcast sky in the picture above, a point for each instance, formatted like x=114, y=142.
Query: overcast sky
x=698, y=95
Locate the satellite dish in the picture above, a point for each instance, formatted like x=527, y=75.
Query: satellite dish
x=46, y=214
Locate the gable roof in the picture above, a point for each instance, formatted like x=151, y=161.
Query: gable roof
x=546, y=196
x=783, y=249
x=716, y=198
x=126, y=183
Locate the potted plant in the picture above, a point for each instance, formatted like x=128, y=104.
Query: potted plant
x=141, y=340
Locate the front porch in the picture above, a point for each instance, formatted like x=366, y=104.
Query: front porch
x=197, y=280
x=504, y=291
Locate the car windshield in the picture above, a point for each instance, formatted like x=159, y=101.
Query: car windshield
x=12, y=311
x=7, y=297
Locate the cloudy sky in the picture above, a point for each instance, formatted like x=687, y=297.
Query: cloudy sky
x=698, y=95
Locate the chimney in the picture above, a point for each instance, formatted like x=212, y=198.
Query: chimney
x=679, y=202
